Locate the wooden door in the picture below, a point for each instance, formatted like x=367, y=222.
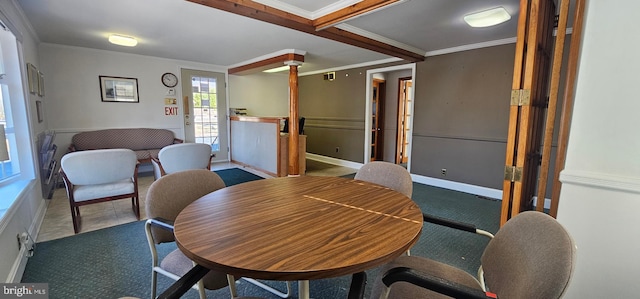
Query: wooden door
x=377, y=120
x=404, y=119
x=528, y=103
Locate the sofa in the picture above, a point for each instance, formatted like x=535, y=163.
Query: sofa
x=145, y=142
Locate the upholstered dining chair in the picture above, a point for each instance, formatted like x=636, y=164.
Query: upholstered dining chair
x=387, y=174
x=95, y=176
x=181, y=156
x=531, y=256
x=166, y=198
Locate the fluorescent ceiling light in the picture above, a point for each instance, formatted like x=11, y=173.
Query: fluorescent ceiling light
x=122, y=40
x=487, y=18
x=279, y=69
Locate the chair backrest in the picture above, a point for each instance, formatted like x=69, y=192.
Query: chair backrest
x=184, y=156
x=387, y=174
x=170, y=194
x=93, y=167
x=531, y=256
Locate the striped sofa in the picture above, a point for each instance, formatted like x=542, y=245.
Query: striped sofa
x=145, y=142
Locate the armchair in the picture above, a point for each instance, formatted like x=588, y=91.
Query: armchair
x=181, y=156
x=97, y=176
x=531, y=256
x=166, y=198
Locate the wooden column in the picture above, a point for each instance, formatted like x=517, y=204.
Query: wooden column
x=294, y=140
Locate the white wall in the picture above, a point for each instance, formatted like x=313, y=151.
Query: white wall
x=262, y=94
x=600, y=198
x=73, y=92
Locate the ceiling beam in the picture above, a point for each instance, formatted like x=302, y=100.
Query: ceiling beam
x=349, y=12
x=265, y=64
x=274, y=16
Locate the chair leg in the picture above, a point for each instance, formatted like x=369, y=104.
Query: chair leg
x=74, y=217
x=135, y=203
x=201, y=289
x=232, y=286
x=154, y=283
x=270, y=289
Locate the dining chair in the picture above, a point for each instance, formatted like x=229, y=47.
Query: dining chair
x=387, y=174
x=166, y=198
x=531, y=256
x=181, y=156
x=95, y=176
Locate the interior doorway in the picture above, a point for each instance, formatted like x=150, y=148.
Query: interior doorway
x=377, y=119
x=405, y=86
x=379, y=144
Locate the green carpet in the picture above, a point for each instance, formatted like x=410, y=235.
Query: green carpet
x=115, y=262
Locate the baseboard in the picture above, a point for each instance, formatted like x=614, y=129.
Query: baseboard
x=451, y=185
x=456, y=186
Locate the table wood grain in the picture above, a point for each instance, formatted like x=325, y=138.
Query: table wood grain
x=298, y=228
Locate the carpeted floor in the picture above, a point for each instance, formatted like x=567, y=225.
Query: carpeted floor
x=115, y=262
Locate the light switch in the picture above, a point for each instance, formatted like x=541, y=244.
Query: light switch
x=171, y=92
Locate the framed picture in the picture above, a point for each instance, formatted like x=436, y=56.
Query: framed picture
x=39, y=111
x=40, y=84
x=119, y=89
x=32, y=72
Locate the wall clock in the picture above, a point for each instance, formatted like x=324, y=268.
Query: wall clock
x=169, y=80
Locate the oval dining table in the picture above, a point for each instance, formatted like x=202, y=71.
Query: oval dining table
x=298, y=228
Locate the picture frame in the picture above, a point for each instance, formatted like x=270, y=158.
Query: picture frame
x=119, y=89
x=39, y=111
x=32, y=73
x=40, y=84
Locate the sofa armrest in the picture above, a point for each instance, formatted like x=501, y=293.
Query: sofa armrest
x=177, y=140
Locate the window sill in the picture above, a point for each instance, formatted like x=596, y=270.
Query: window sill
x=10, y=194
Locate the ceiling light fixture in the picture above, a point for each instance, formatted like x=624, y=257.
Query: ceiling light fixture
x=487, y=18
x=279, y=69
x=122, y=40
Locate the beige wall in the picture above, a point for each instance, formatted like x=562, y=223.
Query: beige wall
x=460, y=117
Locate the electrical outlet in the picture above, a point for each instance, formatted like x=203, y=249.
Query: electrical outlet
x=443, y=172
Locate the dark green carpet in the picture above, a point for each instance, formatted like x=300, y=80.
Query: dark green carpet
x=115, y=262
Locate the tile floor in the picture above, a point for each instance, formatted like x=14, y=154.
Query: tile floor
x=57, y=220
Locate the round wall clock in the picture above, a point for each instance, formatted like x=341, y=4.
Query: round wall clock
x=169, y=80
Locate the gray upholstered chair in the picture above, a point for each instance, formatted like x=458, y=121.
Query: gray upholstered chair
x=181, y=156
x=166, y=198
x=387, y=174
x=531, y=256
x=95, y=176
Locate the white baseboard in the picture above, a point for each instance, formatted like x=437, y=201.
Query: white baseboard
x=456, y=186
x=451, y=185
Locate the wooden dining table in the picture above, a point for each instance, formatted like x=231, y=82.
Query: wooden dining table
x=298, y=228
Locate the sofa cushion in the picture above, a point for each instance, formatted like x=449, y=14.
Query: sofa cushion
x=134, y=139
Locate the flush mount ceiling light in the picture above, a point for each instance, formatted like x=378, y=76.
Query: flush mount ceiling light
x=122, y=40
x=487, y=18
x=279, y=69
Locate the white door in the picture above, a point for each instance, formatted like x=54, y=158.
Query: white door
x=205, y=118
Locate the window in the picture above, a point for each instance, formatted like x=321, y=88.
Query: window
x=18, y=169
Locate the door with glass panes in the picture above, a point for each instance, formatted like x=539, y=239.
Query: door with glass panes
x=204, y=101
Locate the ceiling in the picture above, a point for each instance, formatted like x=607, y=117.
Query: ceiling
x=184, y=30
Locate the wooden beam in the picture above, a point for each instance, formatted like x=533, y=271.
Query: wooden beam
x=274, y=16
x=349, y=12
x=294, y=138
x=265, y=64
